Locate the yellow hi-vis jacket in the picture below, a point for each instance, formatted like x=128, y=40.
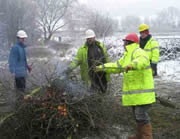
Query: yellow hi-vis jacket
x=152, y=49
x=138, y=84
x=82, y=59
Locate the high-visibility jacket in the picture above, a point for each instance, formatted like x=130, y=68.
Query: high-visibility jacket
x=82, y=59
x=152, y=49
x=138, y=84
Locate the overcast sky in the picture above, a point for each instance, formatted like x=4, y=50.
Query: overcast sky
x=131, y=7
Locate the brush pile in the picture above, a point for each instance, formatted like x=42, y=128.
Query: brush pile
x=62, y=110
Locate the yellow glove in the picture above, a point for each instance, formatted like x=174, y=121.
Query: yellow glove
x=98, y=68
x=153, y=72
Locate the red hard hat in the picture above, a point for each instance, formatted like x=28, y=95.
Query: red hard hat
x=132, y=37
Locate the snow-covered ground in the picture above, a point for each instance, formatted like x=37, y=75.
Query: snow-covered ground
x=169, y=70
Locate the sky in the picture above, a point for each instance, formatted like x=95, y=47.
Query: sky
x=131, y=7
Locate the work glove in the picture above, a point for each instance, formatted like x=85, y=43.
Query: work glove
x=27, y=97
x=129, y=67
x=98, y=68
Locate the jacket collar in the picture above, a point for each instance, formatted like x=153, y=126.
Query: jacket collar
x=144, y=42
x=130, y=48
x=147, y=38
x=20, y=44
x=96, y=42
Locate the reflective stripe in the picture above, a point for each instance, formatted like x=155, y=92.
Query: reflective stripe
x=133, y=53
x=119, y=66
x=135, y=62
x=139, y=91
x=146, y=58
x=155, y=48
x=148, y=67
x=149, y=50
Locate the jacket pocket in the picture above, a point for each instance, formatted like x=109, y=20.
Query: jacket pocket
x=134, y=80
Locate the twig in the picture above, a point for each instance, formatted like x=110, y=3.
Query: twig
x=49, y=123
x=90, y=116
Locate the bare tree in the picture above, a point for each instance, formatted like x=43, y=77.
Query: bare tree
x=2, y=25
x=84, y=18
x=51, y=14
x=18, y=14
x=167, y=20
x=79, y=16
x=102, y=25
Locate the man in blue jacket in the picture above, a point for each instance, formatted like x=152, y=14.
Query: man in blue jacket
x=17, y=61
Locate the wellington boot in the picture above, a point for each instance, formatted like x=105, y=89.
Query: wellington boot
x=146, y=131
x=133, y=137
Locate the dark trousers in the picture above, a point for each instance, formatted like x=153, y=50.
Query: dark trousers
x=141, y=113
x=18, y=94
x=99, y=82
x=99, y=86
x=154, y=67
x=20, y=83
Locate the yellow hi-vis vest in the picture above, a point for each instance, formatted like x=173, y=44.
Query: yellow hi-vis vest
x=152, y=49
x=138, y=84
x=81, y=59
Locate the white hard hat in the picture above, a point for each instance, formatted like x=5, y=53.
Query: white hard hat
x=22, y=34
x=90, y=34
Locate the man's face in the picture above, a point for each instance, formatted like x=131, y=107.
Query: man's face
x=125, y=44
x=90, y=41
x=22, y=40
x=143, y=34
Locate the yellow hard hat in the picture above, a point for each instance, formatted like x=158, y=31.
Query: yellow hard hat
x=143, y=27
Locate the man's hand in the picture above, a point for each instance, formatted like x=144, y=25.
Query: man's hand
x=129, y=67
x=12, y=75
x=29, y=68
